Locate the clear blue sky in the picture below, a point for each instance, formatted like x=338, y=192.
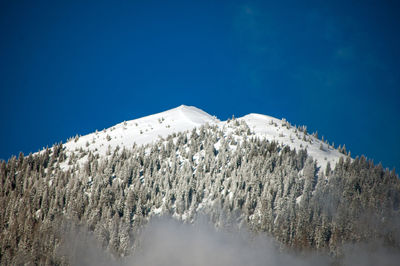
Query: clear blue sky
x=70, y=68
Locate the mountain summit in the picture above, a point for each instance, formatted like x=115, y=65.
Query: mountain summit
x=142, y=130
x=151, y=128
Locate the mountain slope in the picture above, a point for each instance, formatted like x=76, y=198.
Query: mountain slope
x=281, y=131
x=149, y=129
x=252, y=172
x=142, y=130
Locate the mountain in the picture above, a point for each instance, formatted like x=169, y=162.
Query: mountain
x=254, y=172
x=141, y=131
x=151, y=128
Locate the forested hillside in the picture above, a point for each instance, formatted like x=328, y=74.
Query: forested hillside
x=232, y=176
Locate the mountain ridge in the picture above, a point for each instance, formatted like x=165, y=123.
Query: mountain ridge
x=148, y=129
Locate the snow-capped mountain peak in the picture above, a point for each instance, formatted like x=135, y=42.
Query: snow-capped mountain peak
x=150, y=128
x=195, y=115
x=281, y=131
x=142, y=130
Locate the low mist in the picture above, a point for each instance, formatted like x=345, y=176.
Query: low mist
x=165, y=241
x=168, y=242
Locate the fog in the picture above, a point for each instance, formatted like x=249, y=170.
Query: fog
x=165, y=241
x=168, y=242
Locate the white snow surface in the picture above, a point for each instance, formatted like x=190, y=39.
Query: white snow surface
x=143, y=130
x=279, y=130
x=150, y=128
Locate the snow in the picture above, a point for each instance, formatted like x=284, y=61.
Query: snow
x=151, y=128
x=143, y=130
x=298, y=199
x=279, y=130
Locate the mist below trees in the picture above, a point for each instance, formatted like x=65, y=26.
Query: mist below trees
x=168, y=242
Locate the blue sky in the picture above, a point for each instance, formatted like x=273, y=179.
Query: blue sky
x=69, y=68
